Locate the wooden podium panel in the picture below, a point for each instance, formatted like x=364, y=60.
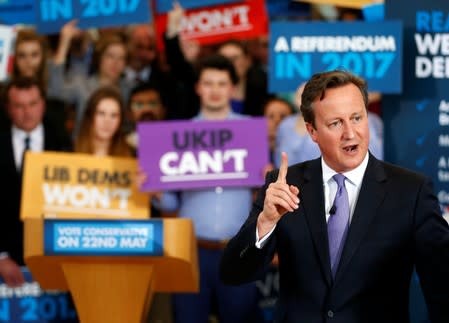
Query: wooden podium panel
x=125, y=291
x=117, y=289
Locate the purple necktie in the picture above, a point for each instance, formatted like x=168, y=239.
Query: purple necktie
x=338, y=223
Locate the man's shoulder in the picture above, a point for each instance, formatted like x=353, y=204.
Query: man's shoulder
x=56, y=137
x=5, y=136
x=395, y=172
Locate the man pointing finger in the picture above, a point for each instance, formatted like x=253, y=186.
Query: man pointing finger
x=347, y=250
x=280, y=198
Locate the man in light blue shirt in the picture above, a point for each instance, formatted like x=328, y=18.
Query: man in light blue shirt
x=217, y=213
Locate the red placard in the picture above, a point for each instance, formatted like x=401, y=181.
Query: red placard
x=209, y=25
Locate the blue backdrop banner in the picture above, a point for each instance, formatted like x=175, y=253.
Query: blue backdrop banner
x=416, y=123
x=370, y=50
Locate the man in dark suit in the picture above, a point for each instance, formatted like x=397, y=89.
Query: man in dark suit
x=348, y=228
x=25, y=106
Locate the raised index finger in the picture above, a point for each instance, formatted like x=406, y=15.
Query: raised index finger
x=282, y=176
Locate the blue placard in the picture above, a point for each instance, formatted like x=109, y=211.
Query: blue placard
x=29, y=303
x=103, y=237
x=370, y=50
x=53, y=14
x=17, y=12
x=163, y=6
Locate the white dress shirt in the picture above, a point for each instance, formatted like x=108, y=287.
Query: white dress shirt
x=18, y=142
x=353, y=183
x=132, y=75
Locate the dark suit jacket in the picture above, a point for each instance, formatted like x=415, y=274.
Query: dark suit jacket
x=11, y=229
x=396, y=225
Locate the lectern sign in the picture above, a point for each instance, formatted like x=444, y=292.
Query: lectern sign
x=103, y=237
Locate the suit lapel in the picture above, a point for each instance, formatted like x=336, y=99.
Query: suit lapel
x=312, y=200
x=370, y=197
x=9, y=153
x=48, y=139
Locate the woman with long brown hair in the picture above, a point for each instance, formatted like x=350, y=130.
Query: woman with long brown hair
x=101, y=131
x=30, y=56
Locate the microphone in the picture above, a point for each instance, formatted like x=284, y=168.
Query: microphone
x=333, y=210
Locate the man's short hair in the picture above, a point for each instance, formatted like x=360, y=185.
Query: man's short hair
x=22, y=83
x=148, y=86
x=237, y=43
x=216, y=62
x=316, y=88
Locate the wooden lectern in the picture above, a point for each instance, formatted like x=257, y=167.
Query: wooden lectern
x=116, y=289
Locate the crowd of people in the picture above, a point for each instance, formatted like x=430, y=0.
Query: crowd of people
x=85, y=92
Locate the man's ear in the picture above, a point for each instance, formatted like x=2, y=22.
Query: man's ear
x=311, y=130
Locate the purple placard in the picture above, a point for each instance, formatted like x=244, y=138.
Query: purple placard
x=199, y=154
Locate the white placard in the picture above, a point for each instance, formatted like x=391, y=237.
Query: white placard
x=7, y=37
